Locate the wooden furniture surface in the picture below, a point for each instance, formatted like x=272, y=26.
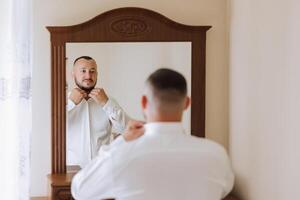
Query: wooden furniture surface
x=59, y=186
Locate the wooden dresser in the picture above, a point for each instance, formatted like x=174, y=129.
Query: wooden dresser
x=60, y=186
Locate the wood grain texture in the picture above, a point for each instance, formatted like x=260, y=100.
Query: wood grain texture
x=39, y=198
x=58, y=107
x=60, y=186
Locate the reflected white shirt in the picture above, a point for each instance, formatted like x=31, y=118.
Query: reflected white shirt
x=164, y=164
x=89, y=126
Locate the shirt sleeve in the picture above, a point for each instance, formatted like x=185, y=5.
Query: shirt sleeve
x=116, y=114
x=95, y=180
x=71, y=105
x=115, y=143
x=228, y=178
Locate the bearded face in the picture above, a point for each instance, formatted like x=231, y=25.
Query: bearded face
x=85, y=74
x=86, y=85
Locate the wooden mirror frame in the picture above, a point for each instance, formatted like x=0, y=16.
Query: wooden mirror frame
x=122, y=25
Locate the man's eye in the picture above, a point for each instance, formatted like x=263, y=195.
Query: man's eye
x=83, y=70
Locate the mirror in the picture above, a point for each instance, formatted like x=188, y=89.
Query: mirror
x=122, y=71
x=123, y=25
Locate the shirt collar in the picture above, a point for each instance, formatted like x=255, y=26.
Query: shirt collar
x=163, y=127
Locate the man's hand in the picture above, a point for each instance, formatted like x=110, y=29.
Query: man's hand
x=134, y=130
x=77, y=95
x=99, y=95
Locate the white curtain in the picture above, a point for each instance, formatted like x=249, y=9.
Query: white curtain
x=15, y=98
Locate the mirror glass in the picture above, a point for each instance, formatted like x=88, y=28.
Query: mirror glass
x=124, y=67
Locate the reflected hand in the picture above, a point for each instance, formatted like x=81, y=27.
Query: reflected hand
x=99, y=95
x=134, y=130
x=77, y=95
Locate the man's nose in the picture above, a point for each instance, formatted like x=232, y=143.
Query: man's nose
x=88, y=75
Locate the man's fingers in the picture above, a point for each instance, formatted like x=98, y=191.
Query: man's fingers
x=139, y=132
x=139, y=125
x=133, y=134
x=79, y=91
x=131, y=128
x=136, y=123
x=94, y=92
x=98, y=89
x=91, y=95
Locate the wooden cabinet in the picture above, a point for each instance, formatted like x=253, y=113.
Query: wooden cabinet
x=59, y=186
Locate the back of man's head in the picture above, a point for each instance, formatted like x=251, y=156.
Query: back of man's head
x=166, y=93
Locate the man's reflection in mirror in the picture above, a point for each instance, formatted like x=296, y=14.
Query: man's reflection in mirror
x=91, y=114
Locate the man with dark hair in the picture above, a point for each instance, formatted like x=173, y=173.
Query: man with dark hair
x=163, y=163
x=166, y=93
x=91, y=114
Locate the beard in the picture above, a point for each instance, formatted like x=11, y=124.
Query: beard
x=86, y=89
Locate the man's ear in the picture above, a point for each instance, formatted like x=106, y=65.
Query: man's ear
x=144, y=102
x=187, y=102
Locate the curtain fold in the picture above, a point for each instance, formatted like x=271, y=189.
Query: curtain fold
x=15, y=98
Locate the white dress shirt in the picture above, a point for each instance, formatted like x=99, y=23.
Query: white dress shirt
x=164, y=163
x=89, y=126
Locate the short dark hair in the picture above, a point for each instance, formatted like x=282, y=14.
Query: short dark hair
x=168, y=86
x=82, y=57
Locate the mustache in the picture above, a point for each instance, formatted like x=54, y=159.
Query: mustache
x=87, y=90
x=88, y=80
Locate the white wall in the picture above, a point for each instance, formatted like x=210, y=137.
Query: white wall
x=265, y=98
x=69, y=12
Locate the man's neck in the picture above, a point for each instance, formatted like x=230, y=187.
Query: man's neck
x=174, y=117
